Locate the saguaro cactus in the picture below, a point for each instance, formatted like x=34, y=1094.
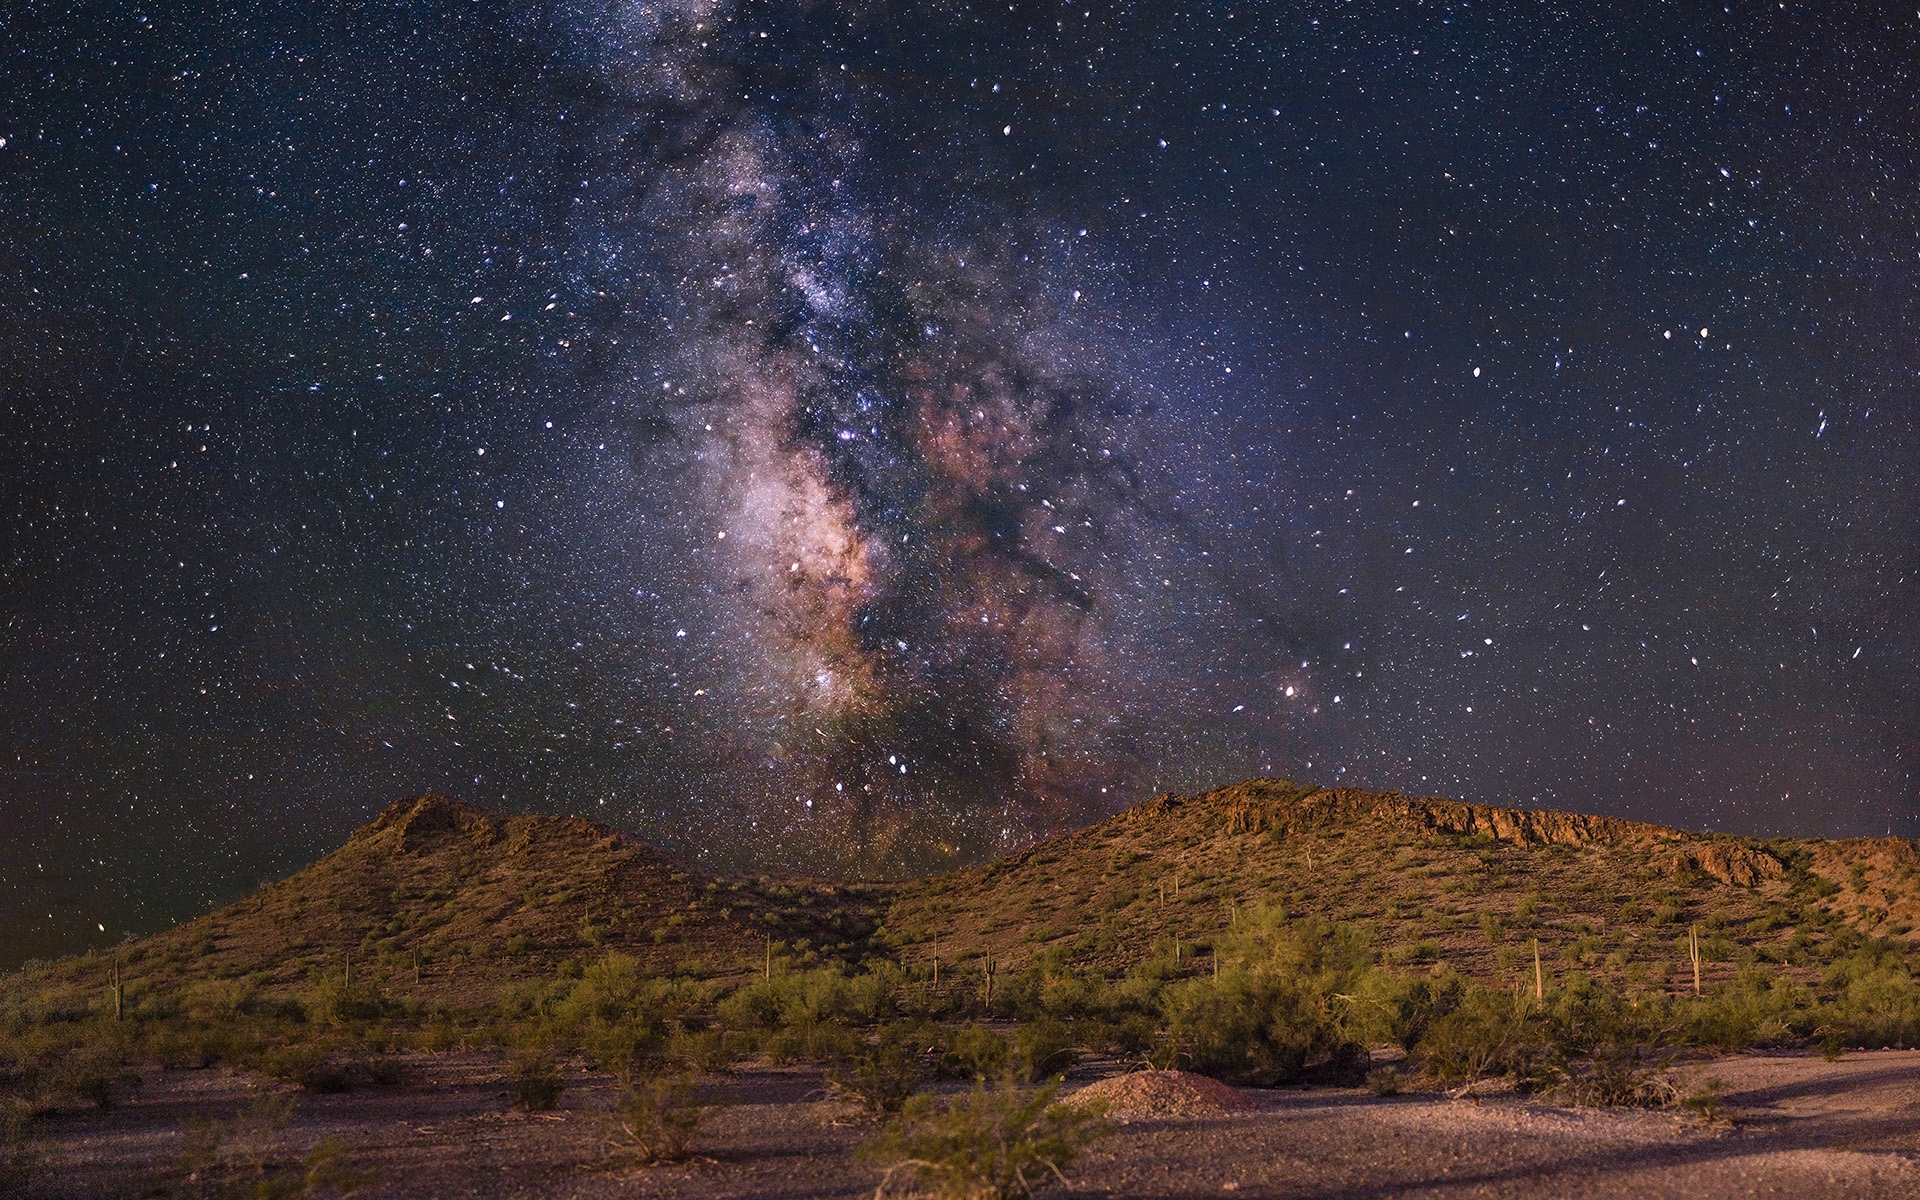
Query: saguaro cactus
x=1693, y=952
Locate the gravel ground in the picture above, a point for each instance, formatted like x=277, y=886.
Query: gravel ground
x=1800, y=1127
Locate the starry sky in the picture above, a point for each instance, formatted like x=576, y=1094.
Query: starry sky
x=862, y=437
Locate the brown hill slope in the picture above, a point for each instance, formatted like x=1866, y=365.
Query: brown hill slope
x=442, y=902
x=1438, y=880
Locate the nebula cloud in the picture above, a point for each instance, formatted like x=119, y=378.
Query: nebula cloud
x=914, y=465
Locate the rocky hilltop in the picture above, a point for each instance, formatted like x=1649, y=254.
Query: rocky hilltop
x=454, y=903
x=1435, y=879
x=1262, y=804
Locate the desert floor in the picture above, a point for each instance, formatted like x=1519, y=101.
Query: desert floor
x=1798, y=1126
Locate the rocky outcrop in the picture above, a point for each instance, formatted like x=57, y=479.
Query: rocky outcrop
x=415, y=824
x=1728, y=861
x=1262, y=804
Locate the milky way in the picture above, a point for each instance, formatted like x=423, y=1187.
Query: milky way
x=909, y=451
x=865, y=438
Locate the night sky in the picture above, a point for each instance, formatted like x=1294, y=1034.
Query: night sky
x=864, y=437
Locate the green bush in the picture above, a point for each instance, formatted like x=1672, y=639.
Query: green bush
x=533, y=1077
x=702, y=1050
x=623, y=1048
x=239, y=1157
x=332, y=999
x=95, y=1073
x=1622, y=1074
x=1754, y=1010
x=805, y=998
x=1281, y=1010
x=657, y=1117
x=1401, y=1010
x=1385, y=1081
x=1259, y=1028
x=993, y=1143
x=1490, y=1033
x=1877, y=1000
x=611, y=991
x=977, y=1052
x=879, y=1076
x=312, y=1066
x=1042, y=1047
x=218, y=1000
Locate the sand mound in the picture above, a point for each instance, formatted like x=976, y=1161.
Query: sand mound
x=1163, y=1094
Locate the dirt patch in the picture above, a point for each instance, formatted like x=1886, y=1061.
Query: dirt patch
x=1151, y=1094
x=1800, y=1127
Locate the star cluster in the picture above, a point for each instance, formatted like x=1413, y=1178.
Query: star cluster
x=866, y=437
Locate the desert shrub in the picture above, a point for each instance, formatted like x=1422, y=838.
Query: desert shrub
x=1754, y=1010
x=19, y=1157
x=879, y=1076
x=311, y=1066
x=1386, y=1081
x=386, y=1070
x=977, y=1052
x=1041, y=1047
x=179, y=1049
x=95, y=1072
x=1704, y=1101
x=622, y=1048
x=240, y=1157
x=534, y=999
x=1621, y=1074
x=759, y=1006
x=1280, y=1011
x=1258, y=1027
x=657, y=1117
x=1424, y=951
x=442, y=1034
x=1877, y=1000
x=1128, y=1036
x=799, y=999
x=813, y=1043
x=867, y=997
x=993, y=1143
x=218, y=1000
x=1400, y=1010
x=332, y=999
x=702, y=1050
x=533, y=1077
x=611, y=991
x=1490, y=1033
x=1333, y=955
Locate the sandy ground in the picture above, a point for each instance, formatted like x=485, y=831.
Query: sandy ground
x=1800, y=1127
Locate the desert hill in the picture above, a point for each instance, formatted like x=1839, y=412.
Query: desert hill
x=1436, y=880
x=446, y=903
x=536, y=1003
x=443, y=902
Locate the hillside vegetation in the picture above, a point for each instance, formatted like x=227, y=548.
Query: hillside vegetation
x=1435, y=881
x=1265, y=933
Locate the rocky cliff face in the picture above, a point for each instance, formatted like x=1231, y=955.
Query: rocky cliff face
x=1261, y=804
